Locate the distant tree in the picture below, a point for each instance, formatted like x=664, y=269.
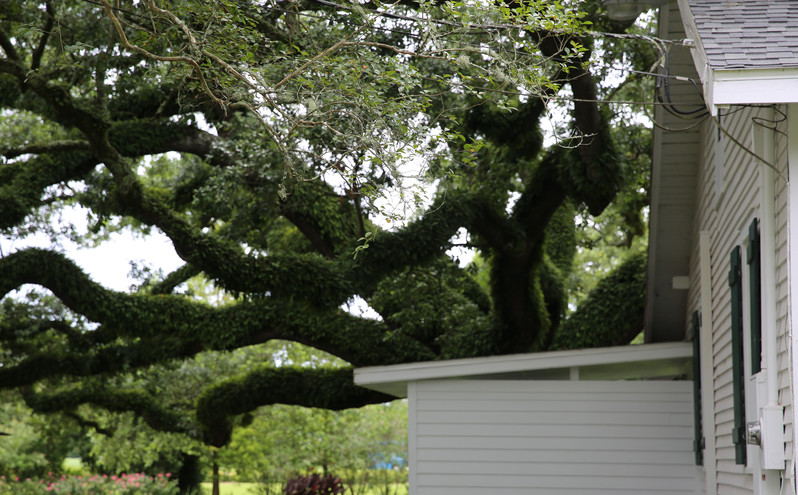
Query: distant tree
x=33, y=445
x=346, y=443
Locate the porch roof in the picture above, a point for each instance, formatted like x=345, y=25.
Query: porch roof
x=671, y=359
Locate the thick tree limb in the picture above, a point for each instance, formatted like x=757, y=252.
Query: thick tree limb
x=165, y=327
x=48, y=147
x=22, y=184
x=87, y=423
x=177, y=277
x=7, y=46
x=612, y=314
x=323, y=388
x=595, y=181
x=146, y=406
x=87, y=361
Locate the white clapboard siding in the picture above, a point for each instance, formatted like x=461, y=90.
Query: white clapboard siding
x=674, y=191
x=726, y=220
x=552, y=437
x=727, y=224
x=782, y=295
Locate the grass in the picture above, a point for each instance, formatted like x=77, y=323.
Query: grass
x=73, y=464
x=232, y=488
x=235, y=488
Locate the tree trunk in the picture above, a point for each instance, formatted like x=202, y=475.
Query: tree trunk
x=215, y=490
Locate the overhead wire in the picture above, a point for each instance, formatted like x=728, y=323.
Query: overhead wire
x=662, y=45
x=774, y=123
x=746, y=149
x=663, y=83
x=663, y=79
x=658, y=42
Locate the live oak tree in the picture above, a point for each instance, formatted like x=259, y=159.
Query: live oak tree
x=263, y=138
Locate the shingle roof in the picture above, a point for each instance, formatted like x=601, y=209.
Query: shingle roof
x=748, y=34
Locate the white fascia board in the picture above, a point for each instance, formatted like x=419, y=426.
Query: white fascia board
x=754, y=86
x=700, y=59
x=395, y=377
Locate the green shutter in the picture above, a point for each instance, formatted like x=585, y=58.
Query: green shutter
x=755, y=285
x=698, y=442
x=738, y=378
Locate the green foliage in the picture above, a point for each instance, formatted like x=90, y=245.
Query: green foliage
x=265, y=141
x=19, y=453
x=125, y=484
x=32, y=445
x=145, y=450
x=603, y=242
x=431, y=304
x=612, y=313
x=560, y=245
x=317, y=439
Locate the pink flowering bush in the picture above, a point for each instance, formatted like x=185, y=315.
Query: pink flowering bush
x=314, y=485
x=125, y=484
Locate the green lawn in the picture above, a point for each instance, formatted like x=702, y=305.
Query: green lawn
x=73, y=464
x=232, y=488
x=242, y=488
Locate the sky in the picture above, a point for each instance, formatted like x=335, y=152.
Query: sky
x=108, y=263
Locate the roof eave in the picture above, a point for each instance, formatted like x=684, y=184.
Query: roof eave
x=753, y=87
x=394, y=379
x=697, y=51
x=744, y=86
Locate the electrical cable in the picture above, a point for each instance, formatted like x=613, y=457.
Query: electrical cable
x=743, y=147
x=664, y=83
x=662, y=79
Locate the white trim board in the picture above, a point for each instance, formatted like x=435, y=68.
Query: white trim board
x=792, y=250
x=632, y=361
x=753, y=86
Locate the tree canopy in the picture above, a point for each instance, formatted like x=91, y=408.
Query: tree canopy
x=263, y=138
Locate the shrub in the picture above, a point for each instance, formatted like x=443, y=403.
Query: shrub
x=126, y=484
x=314, y=485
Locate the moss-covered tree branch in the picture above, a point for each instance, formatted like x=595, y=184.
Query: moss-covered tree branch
x=323, y=388
x=138, y=401
x=612, y=313
x=167, y=326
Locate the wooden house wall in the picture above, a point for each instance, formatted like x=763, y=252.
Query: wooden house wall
x=725, y=212
x=551, y=437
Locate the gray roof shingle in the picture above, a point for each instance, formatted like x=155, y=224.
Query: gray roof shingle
x=748, y=34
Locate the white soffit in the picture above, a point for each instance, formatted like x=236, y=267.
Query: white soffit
x=393, y=379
